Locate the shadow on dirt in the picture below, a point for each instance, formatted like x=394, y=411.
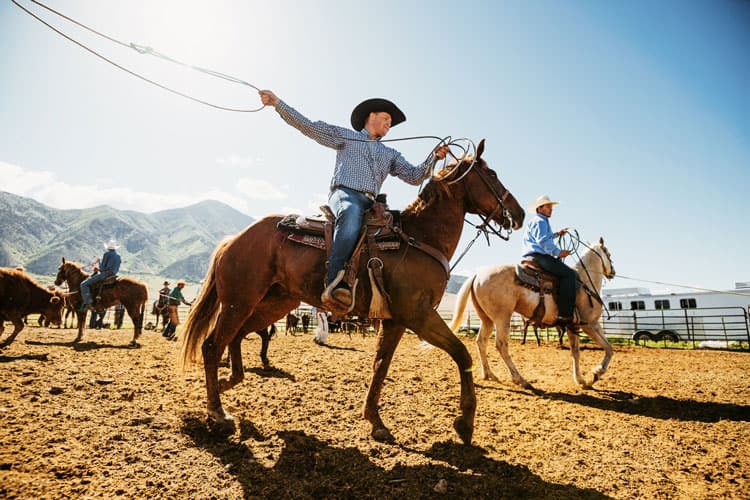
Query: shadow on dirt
x=339, y=348
x=35, y=357
x=309, y=468
x=81, y=346
x=657, y=407
x=272, y=372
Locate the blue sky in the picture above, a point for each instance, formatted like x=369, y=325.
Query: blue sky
x=634, y=115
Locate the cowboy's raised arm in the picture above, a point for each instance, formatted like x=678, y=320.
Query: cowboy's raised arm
x=328, y=135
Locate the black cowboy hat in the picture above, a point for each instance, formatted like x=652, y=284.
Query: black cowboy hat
x=375, y=105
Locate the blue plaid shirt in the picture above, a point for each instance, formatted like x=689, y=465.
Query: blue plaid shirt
x=362, y=166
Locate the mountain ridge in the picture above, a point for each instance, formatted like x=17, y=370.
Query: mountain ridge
x=172, y=243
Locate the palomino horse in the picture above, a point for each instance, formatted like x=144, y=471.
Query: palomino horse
x=495, y=295
x=126, y=291
x=259, y=275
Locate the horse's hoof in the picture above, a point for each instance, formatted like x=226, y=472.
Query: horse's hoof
x=134, y=345
x=382, y=435
x=221, y=420
x=464, y=429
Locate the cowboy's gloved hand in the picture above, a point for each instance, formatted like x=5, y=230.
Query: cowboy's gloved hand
x=564, y=253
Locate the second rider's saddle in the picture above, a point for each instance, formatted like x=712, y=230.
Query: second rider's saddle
x=530, y=275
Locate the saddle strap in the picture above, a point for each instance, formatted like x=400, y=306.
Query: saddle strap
x=424, y=247
x=380, y=300
x=352, y=266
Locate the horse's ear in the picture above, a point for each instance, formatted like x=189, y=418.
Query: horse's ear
x=63, y=260
x=601, y=240
x=480, y=149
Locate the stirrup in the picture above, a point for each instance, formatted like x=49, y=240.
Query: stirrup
x=334, y=305
x=326, y=297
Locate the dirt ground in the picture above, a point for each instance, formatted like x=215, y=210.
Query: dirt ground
x=101, y=420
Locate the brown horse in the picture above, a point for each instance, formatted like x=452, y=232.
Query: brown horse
x=259, y=275
x=126, y=291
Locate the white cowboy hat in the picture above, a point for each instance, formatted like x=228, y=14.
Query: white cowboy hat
x=111, y=245
x=541, y=201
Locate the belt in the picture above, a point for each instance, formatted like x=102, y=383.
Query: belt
x=366, y=193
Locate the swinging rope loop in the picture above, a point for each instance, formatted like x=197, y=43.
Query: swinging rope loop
x=141, y=49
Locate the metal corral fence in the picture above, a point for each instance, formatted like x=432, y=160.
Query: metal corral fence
x=728, y=326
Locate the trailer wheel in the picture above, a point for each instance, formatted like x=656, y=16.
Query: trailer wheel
x=640, y=338
x=668, y=336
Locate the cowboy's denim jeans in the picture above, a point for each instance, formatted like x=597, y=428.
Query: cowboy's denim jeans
x=88, y=282
x=349, y=207
x=568, y=278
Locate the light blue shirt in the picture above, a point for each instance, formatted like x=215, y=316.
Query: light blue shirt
x=362, y=166
x=538, y=237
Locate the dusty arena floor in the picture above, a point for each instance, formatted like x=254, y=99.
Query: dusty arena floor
x=101, y=420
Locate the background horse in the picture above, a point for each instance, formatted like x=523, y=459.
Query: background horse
x=496, y=294
x=126, y=291
x=259, y=275
x=20, y=296
x=160, y=312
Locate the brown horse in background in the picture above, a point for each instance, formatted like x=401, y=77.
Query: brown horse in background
x=259, y=275
x=126, y=291
x=20, y=296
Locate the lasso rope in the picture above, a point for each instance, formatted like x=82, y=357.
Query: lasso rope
x=146, y=50
x=141, y=50
x=465, y=145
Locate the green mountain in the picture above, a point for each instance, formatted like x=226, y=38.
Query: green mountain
x=173, y=243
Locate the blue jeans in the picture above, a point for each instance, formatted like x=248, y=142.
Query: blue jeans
x=349, y=207
x=88, y=282
x=568, y=277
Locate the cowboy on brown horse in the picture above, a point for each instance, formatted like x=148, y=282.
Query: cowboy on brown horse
x=362, y=165
x=108, y=266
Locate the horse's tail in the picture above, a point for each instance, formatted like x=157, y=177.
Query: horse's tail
x=461, y=300
x=202, y=313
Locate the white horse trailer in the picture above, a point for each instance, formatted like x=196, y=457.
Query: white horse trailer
x=678, y=317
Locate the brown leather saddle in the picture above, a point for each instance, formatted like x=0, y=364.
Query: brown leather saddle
x=317, y=231
x=530, y=275
x=381, y=231
x=108, y=282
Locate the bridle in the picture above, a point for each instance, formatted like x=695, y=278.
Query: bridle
x=486, y=226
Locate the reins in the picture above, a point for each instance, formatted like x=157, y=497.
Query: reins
x=573, y=245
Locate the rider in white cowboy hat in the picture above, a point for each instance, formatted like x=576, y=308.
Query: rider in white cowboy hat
x=362, y=165
x=108, y=266
x=539, y=246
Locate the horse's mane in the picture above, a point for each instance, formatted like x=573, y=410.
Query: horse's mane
x=593, y=254
x=436, y=189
